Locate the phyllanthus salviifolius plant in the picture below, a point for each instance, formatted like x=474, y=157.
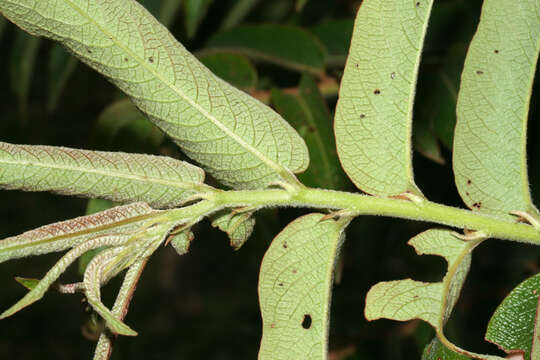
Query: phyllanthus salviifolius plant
x=251, y=150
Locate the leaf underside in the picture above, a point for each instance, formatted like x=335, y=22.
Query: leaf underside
x=239, y=140
x=490, y=164
x=295, y=284
x=158, y=180
x=373, y=122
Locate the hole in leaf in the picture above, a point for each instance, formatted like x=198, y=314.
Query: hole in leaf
x=306, y=322
x=377, y=91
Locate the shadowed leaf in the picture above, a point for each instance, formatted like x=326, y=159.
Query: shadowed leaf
x=61, y=67
x=235, y=69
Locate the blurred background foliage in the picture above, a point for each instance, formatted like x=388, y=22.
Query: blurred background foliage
x=289, y=54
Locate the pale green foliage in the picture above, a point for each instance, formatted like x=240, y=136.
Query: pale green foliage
x=239, y=140
x=66, y=234
x=295, y=286
x=490, y=163
x=374, y=113
x=431, y=302
x=157, y=180
x=238, y=226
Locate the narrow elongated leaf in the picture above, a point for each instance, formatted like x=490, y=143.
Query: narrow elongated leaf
x=308, y=113
x=239, y=140
x=284, y=45
x=168, y=11
x=235, y=69
x=238, y=12
x=490, y=138
x=432, y=302
x=92, y=283
x=194, y=12
x=157, y=180
x=61, y=67
x=295, y=286
x=373, y=120
x=59, y=268
x=66, y=234
x=512, y=327
x=22, y=63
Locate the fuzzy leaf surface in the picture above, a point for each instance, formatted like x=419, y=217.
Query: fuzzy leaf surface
x=295, y=286
x=242, y=142
x=490, y=163
x=158, y=180
x=67, y=234
x=237, y=226
x=513, y=324
x=373, y=122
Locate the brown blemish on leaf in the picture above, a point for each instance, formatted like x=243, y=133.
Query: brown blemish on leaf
x=151, y=59
x=477, y=205
x=393, y=75
x=377, y=91
x=273, y=325
x=285, y=245
x=479, y=72
x=306, y=321
x=362, y=116
x=467, y=193
x=495, y=51
x=294, y=271
x=280, y=284
x=418, y=4
x=469, y=182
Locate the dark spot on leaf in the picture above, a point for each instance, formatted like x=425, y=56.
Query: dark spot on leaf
x=377, y=91
x=312, y=129
x=496, y=51
x=306, y=322
x=477, y=205
x=418, y=4
x=294, y=271
x=416, y=296
x=126, y=59
x=151, y=59
x=362, y=116
x=467, y=193
x=273, y=325
x=469, y=182
x=393, y=75
x=280, y=284
x=285, y=245
x=479, y=72
x=356, y=65
x=89, y=51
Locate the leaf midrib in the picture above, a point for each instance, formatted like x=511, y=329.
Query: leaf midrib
x=276, y=167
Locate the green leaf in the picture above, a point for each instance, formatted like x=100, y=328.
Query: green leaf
x=238, y=226
x=238, y=12
x=66, y=234
x=93, y=279
x=181, y=241
x=295, y=286
x=157, y=180
x=308, y=113
x=432, y=302
x=123, y=115
x=168, y=11
x=435, y=350
x=336, y=37
x=61, y=67
x=426, y=142
x=22, y=62
x=235, y=69
x=373, y=120
x=512, y=327
x=28, y=283
x=285, y=45
x=194, y=12
x=490, y=164
x=59, y=268
x=241, y=142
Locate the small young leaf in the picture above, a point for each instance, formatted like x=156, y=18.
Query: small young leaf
x=181, y=241
x=61, y=67
x=512, y=326
x=194, y=12
x=295, y=286
x=92, y=283
x=22, y=62
x=28, y=283
x=242, y=142
x=58, y=269
x=157, y=180
x=285, y=45
x=308, y=113
x=490, y=164
x=435, y=350
x=373, y=122
x=336, y=36
x=237, y=226
x=235, y=69
x=66, y=234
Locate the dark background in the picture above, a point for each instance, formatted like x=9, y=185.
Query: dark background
x=204, y=305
